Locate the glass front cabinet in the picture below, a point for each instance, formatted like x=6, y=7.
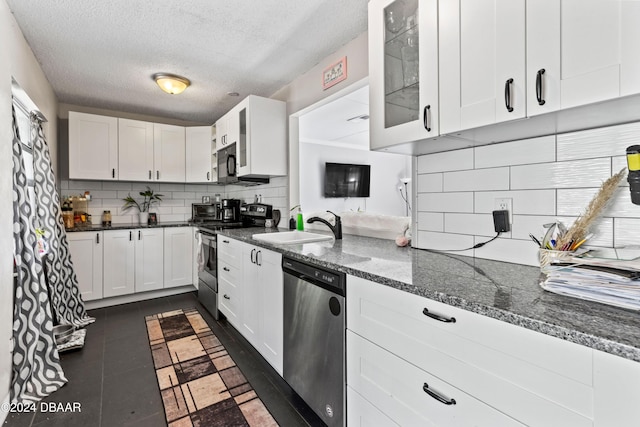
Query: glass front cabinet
x=403, y=71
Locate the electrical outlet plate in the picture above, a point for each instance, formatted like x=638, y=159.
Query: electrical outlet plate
x=504, y=204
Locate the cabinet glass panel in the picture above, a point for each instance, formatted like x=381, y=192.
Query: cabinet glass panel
x=401, y=63
x=242, y=138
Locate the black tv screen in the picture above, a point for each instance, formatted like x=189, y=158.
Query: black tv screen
x=346, y=180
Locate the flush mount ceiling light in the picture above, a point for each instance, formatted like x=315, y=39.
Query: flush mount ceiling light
x=171, y=83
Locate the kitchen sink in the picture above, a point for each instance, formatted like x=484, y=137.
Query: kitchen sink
x=291, y=237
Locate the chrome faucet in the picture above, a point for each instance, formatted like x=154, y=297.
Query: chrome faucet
x=337, y=229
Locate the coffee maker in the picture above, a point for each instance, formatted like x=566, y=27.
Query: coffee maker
x=231, y=210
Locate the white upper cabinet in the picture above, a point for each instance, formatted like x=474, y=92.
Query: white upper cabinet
x=581, y=52
x=135, y=150
x=169, y=153
x=259, y=128
x=93, y=146
x=482, y=63
x=403, y=71
x=198, y=155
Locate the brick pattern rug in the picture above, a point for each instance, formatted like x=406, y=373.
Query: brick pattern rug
x=199, y=382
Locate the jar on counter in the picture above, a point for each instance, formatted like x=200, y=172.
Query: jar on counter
x=106, y=219
x=67, y=218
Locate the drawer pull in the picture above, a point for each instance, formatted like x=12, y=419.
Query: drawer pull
x=507, y=95
x=226, y=296
x=225, y=241
x=438, y=317
x=539, y=86
x=437, y=396
x=225, y=269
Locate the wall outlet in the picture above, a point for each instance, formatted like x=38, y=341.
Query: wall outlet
x=504, y=205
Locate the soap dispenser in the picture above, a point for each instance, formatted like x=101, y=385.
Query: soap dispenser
x=300, y=221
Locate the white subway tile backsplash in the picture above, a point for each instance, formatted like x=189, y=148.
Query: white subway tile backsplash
x=143, y=186
x=626, y=231
x=447, y=161
x=602, y=230
x=601, y=142
x=472, y=224
x=181, y=210
x=102, y=194
x=430, y=183
x=83, y=186
x=431, y=221
x=534, y=202
x=509, y=250
x=445, y=202
x=571, y=174
x=574, y=202
x=183, y=195
x=445, y=242
x=172, y=187
x=525, y=224
x=116, y=185
x=527, y=151
x=477, y=180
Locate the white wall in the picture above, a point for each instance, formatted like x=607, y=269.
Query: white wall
x=547, y=178
x=18, y=62
x=386, y=172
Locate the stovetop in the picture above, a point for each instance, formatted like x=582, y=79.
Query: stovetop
x=216, y=225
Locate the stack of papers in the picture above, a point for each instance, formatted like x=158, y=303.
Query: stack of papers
x=612, y=280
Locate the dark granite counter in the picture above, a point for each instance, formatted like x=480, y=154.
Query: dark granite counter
x=99, y=227
x=504, y=291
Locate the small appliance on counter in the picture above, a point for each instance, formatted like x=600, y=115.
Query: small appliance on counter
x=203, y=212
x=231, y=210
x=256, y=214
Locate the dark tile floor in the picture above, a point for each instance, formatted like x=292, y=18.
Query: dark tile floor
x=113, y=377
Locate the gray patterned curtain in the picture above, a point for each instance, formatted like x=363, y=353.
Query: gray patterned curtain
x=36, y=366
x=67, y=303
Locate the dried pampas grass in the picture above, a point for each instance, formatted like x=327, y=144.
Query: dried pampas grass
x=585, y=221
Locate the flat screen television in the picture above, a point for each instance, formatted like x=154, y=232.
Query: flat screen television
x=346, y=180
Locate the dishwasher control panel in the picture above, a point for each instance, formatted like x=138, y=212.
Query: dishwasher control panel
x=334, y=281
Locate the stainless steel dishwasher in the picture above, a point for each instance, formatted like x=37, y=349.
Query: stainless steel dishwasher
x=314, y=338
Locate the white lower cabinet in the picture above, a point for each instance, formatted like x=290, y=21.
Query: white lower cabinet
x=361, y=413
x=262, y=308
x=149, y=258
x=178, y=256
x=86, y=254
x=119, y=263
x=498, y=373
x=250, y=289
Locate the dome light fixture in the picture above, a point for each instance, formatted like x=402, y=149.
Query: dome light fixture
x=171, y=83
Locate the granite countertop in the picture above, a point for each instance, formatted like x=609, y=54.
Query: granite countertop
x=504, y=291
x=100, y=227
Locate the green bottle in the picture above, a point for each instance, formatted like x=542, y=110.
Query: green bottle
x=300, y=222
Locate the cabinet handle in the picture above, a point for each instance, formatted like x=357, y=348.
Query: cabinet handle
x=539, y=87
x=225, y=241
x=150, y=174
x=438, y=317
x=157, y=174
x=437, y=396
x=139, y=234
x=259, y=262
x=226, y=296
x=225, y=269
x=253, y=261
x=113, y=173
x=130, y=235
x=427, y=110
x=507, y=95
x=97, y=238
x=208, y=175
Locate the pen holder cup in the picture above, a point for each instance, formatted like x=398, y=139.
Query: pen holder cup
x=548, y=257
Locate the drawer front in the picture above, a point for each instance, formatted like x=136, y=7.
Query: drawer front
x=508, y=367
x=229, y=301
x=229, y=250
x=397, y=389
x=229, y=272
x=361, y=413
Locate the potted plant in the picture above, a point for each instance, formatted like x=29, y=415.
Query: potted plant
x=143, y=208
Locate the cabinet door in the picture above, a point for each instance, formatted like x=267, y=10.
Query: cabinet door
x=403, y=71
x=93, y=146
x=230, y=292
x=86, y=254
x=135, y=150
x=271, y=307
x=119, y=263
x=178, y=256
x=221, y=133
x=588, y=50
x=149, y=258
x=169, y=152
x=251, y=303
x=198, y=153
x=482, y=63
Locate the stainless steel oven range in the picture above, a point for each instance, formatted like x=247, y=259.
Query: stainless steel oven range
x=208, y=273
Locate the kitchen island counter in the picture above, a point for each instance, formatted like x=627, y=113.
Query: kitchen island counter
x=503, y=291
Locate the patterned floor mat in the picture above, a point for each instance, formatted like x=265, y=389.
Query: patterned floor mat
x=199, y=382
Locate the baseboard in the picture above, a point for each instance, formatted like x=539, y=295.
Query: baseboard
x=125, y=299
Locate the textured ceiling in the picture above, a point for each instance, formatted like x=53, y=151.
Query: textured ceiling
x=102, y=54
